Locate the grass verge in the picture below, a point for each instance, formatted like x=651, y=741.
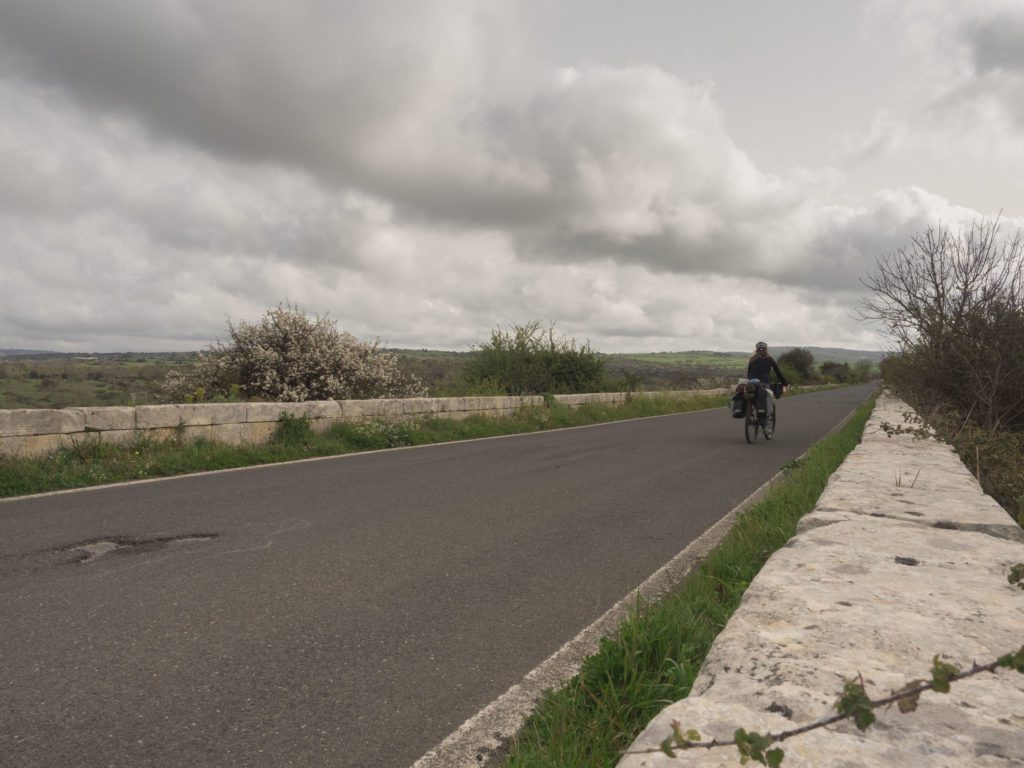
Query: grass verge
x=653, y=658
x=90, y=462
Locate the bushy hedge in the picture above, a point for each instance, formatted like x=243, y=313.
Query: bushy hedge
x=530, y=359
x=954, y=304
x=289, y=356
x=797, y=365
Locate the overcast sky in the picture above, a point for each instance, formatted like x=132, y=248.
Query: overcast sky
x=652, y=175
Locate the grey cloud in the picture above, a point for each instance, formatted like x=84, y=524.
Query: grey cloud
x=379, y=96
x=995, y=89
x=634, y=165
x=417, y=102
x=997, y=41
x=166, y=165
x=992, y=38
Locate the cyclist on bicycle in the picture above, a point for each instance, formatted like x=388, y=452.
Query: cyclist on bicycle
x=760, y=367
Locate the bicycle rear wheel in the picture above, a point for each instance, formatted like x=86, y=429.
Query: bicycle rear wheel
x=770, y=433
x=750, y=425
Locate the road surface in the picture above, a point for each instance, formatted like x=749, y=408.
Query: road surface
x=349, y=611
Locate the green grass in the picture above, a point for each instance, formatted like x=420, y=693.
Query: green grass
x=654, y=657
x=93, y=463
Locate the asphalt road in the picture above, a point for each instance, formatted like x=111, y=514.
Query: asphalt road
x=351, y=611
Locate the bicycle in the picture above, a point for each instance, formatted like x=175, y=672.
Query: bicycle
x=751, y=421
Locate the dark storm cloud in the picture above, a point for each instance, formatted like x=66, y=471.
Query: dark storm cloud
x=360, y=92
x=997, y=42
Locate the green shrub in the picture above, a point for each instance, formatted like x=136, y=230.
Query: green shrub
x=800, y=362
x=836, y=372
x=289, y=356
x=531, y=360
x=793, y=376
x=292, y=430
x=997, y=459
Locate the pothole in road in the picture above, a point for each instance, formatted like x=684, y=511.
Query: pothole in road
x=95, y=548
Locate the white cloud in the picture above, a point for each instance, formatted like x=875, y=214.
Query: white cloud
x=961, y=132
x=408, y=169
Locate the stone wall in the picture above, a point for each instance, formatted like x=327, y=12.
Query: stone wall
x=35, y=432
x=904, y=557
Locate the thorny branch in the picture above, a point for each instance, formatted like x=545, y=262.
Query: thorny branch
x=852, y=704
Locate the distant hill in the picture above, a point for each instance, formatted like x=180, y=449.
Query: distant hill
x=734, y=359
x=49, y=354
x=25, y=352
x=835, y=355
x=693, y=356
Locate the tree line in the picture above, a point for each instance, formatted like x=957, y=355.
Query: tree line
x=799, y=367
x=952, y=301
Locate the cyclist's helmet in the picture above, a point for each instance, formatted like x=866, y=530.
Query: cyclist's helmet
x=761, y=345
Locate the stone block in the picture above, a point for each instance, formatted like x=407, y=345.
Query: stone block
x=322, y=425
x=369, y=409
x=194, y=414
x=391, y=409
x=215, y=413
x=157, y=416
x=572, y=401
x=159, y=433
x=466, y=404
x=323, y=409
x=106, y=418
x=114, y=436
x=298, y=410
x=197, y=432
x=473, y=404
x=480, y=403
x=231, y=434
x=352, y=410
x=30, y=445
x=419, y=406
x=257, y=412
x=258, y=432
x=261, y=412
x=119, y=436
x=40, y=421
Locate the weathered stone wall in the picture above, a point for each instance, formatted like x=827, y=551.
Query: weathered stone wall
x=34, y=432
x=904, y=557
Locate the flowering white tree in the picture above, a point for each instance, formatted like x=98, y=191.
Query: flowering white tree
x=289, y=356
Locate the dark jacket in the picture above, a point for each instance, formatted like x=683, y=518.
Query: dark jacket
x=761, y=367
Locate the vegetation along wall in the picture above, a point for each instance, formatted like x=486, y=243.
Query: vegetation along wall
x=36, y=432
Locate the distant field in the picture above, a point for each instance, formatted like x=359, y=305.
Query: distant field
x=728, y=360
x=52, y=380
x=739, y=359
x=47, y=380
